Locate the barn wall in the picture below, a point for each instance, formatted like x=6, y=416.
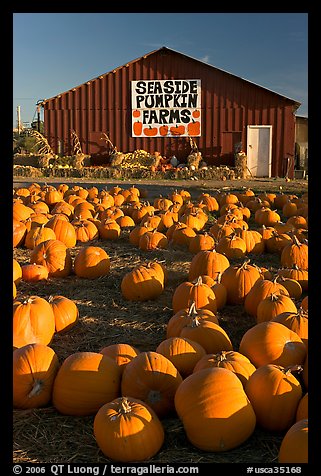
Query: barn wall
x=229, y=104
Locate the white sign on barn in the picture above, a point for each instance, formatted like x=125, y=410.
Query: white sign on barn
x=166, y=108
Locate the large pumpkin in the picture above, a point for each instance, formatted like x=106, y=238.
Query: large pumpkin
x=212, y=337
x=209, y=263
x=273, y=305
x=231, y=360
x=215, y=411
x=91, y=262
x=34, y=369
x=297, y=321
x=182, y=352
x=122, y=354
x=238, y=280
x=85, y=382
x=295, y=444
x=33, y=322
x=261, y=289
x=153, y=378
x=275, y=394
x=55, y=256
x=272, y=343
x=185, y=316
x=64, y=230
x=194, y=291
x=141, y=284
x=295, y=253
x=37, y=235
x=128, y=430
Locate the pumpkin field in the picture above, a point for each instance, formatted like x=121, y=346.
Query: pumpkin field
x=160, y=322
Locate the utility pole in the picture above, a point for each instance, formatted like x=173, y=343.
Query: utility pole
x=19, y=126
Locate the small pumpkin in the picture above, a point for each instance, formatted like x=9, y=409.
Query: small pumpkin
x=128, y=430
x=34, y=272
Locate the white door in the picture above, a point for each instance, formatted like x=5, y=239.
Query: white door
x=259, y=150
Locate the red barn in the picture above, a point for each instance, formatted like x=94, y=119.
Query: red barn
x=157, y=101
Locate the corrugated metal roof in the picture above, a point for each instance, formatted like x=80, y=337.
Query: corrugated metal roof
x=296, y=103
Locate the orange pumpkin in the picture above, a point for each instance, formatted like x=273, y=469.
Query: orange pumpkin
x=91, y=262
x=231, y=360
x=55, y=256
x=194, y=291
x=274, y=393
x=185, y=316
x=150, y=131
x=65, y=311
x=122, y=354
x=209, y=263
x=163, y=130
x=272, y=343
x=177, y=130
x=33, y=322
x=34, y=369
x=128, y=430
x=182, y=352
x=238, y=280
x=295, y=444
x=152, y=378
x=85, y=382
x=194, y=128
x=214, y=409
x=34, y=272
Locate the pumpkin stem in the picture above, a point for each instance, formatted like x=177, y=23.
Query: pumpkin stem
x=199, y=281
x=221, y=356
x=124, y=406
x=36, y=388
x=293, y=368
x=192, y=310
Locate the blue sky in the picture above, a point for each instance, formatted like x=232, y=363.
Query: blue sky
x=53, y=52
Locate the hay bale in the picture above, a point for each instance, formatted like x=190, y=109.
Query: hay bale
x=193, y=160
x=44, y=159
x=241, y=168
x=116, y=158
x=80, y=160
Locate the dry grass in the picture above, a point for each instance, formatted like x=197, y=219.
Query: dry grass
x=44, y=435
